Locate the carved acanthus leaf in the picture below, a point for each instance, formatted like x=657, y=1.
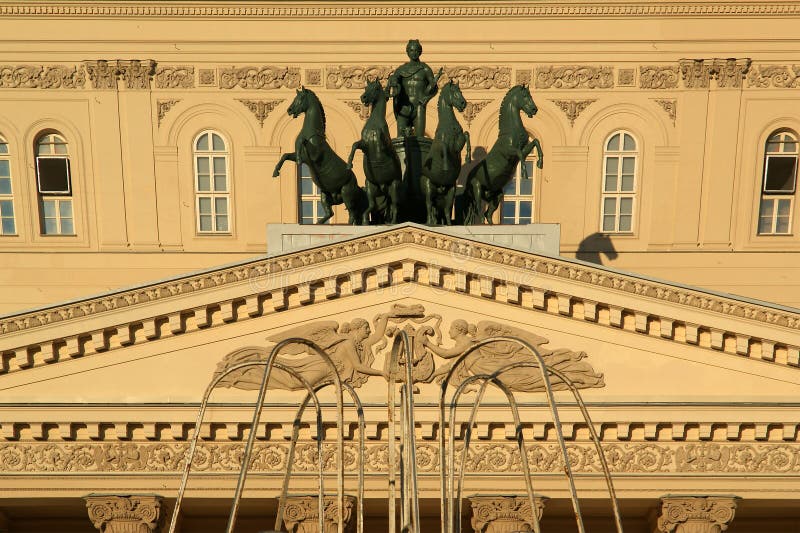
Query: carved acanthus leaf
x=710, y=514
x=777, y=76
x=697, y=73
x=473, y=108
x=361, y=110
x=136, y=73
x=174, y=77
x=301, y=514
x=670, y=106
x=41, y=77
x=574, y=77
x=261, y=108
x=478, y=77
x=127, y=513
x=163, y=108
x=314, y=77
x=354, y=76
x=265, y=77
x=573, y=108
x=496, y=514
x=658, y=77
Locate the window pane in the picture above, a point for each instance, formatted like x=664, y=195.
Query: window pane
x=613, y=143
x=608, y=223
x=627, y=183
x=784, y=206
x=3, y=148
x=6, y=208
x=66, y=227
x=222, y=222
x=60, y=148
x=65, y=209
x=790, y=147
x=509, y=210
x=4, y=168
x=767, y=205
x=305, y=171
x=205, y=222
x=626, y=206
x=204, y=204
x=5, y=185
x=628, y=165
x=526, y=187
x=49, y=208
x=307, y=209
x=625, y=223
x=524, y=220
x=773, y=146
x=529, y=168
x=50, y=227
x=220, y=183
x=306, y=186
x=525, y=210
x=202, y=165
x=221, y=206
x=782, y=225
x=219, y=165
x=217, y=142
x=8, y=226
x=609, y=206
x=202, y=142
x=780, y=174
x=629, y=143
x=53, y=175
x=764, y=225
x=511, y=187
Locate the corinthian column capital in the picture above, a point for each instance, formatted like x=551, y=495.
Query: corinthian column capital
x=696, y=514
x=124, y=514
x=504, y=514
x=301, y=514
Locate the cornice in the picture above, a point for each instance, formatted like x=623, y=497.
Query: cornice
x=562, y=9
x=491, y=284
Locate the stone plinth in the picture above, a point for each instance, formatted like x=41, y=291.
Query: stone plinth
x=301, y=514
x=696, y=514
x=412, y=151
x=536, y=238
x=504, y=514
x=124, y=514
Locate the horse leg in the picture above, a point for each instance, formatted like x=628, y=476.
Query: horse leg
x=491, y=206
x=475, y=210
x=447, y=210
x=291, y=156
x=325, y=201
x=428, y=190
x=395, y=198
x=468, y=157
x=358, y=145
x=372, y=204
x=352, y=198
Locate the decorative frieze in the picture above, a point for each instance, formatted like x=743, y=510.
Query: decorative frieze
x=127, y=456
x=697, y=73
x=264, y=77
x=41, y=77
x=473, y=108
x=314, y=77
x=124, y=514
x=504, y=514
x=658, y=77
x=355, y=76
x=524, y=76
x=626, y=77
x=102, y=73
x=774, y=76
x=207, y=77
x=574, y=77
x=163, y=107
x=175, y=77
x=301, y=514
x=573, y=108
x=261, y=108
x=478, y=77
x=136, y=73
x=670, y=107
x=696, y=514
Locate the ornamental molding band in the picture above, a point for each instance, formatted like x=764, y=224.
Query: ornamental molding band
x=264, y=77
x=774, y=76
x=478, y=77
x=124, y=514
x=41, y=77
x=700, y=8
x=353, y=346
x=355, y=76
x=670, y=106
x=136, y=73
x=301, y=514
x=658, y=77
x=163, y=107
x=503, y=514
x=530, y=295
x=261, y=108
x=697, y=73
x=574, y=77
x=175, y=77
x=573, y=108
x=483, y=457
x=696, y=514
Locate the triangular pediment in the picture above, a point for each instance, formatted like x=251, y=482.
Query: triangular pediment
x=682, y=338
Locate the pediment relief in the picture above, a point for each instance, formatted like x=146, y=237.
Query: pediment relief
x=354, y=346
x=407, y=256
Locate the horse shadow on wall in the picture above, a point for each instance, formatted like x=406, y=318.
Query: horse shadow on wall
x=594, y=246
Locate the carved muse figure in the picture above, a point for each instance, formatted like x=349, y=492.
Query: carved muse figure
x=412, y=85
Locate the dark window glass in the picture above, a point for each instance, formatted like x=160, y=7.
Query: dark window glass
x=781, y=172
x=53, y=175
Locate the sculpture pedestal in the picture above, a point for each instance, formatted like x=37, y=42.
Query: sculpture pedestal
x=412, y=151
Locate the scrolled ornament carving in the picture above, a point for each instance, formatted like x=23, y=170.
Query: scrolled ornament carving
x=472, y=110
x=573, y=108
x=265, y=77
x=124, y=514
x=41, y=77
x=137, y=73
x=696, y=514
x=354, y=76
x=478, y=77
x=695, y=73
x=658, y=77
x=774, y=76
x=671, y=108
x=175, y=77
x=574, y=77
x=301, y=514
x=261, y=108
x=163, y=108
x=730, y=72
x=503, y=514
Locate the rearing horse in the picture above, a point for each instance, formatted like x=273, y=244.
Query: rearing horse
x=486, y=180
x=442, y=165
x=329, y=172
x=382, y=169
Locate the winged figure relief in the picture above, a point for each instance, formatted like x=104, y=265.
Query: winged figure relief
x=490, y=358
x=349, y=346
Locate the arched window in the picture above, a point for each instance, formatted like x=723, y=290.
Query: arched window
x=779, y=184
x=211, y=184
x=54, y=185
x=7, y=222
x=310, y=199
x=620, y=167
x=518, y=196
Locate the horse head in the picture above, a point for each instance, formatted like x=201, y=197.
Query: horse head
x=451, y=93
x=525, y=101
x=372, y=92
x=300, y=103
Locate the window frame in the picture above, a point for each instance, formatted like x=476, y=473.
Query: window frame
x=618, y=194
x=517, y=198
x=58, y=197
x=315, y=197
x=777, y=196
x=5, y=155
x=210, y=154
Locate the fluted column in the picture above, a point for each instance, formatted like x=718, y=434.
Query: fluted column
x=301, y=514
x=124, y=514
x=696, y=514
x=504, y=514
